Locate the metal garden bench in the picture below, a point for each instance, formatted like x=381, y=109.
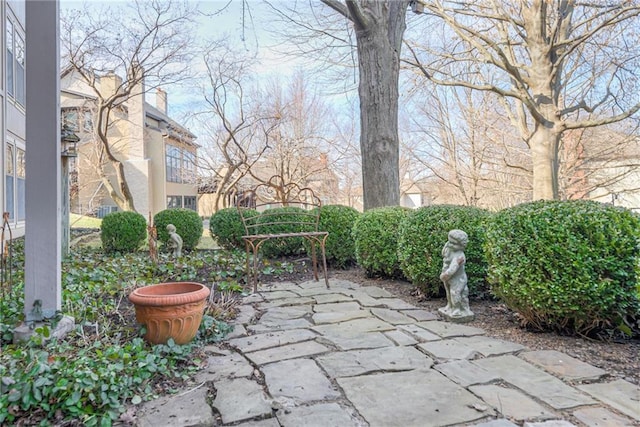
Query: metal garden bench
x=277, y=224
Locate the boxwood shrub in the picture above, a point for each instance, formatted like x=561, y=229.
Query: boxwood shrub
x=375, y=233
x=123, y=232
x=227, y=228
x=340, y=247
x=422, y=237
x=567, y=266
x=187, y=222
x=274, y=248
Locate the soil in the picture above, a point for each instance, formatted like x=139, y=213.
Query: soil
x=620, y=359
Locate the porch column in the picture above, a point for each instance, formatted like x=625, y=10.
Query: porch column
x=43, y=178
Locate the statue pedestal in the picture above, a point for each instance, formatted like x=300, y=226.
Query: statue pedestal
x=23, y=332
x=465, y=317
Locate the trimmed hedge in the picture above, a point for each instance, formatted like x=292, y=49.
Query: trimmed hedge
x=340, y=247
x=188, y=226
x=227, y=228
x=569, y=266
x=274, y=248
x=423, y=236
x=375, y=233
x=123, y=232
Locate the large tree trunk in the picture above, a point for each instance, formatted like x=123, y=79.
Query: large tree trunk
x=379, y=144
x=379, y=28
x=544, y=145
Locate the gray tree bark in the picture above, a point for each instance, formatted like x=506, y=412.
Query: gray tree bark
x=379, y=27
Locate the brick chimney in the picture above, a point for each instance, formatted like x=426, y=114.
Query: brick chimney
x=161, y=100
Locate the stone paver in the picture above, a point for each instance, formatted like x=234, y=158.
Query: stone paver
x=305, y=355
x=552, y=423
x=187, y=409
x=404, y=399
x=511, y=403
x=338, y=307
x=535, y=382
x=620, y=394
x=488, y=346
x=448, y=330
x=563, y=366
x=238, y=400
x=340, y=316
x=420, y=315
x=321, y=415
x=233, y=365
x=466, y=373
x=285, y=302
x=420, y=334
x=496, y=423
x=290, y=351
x=376, y=292
x=393, y=317
x=272, y=339
x=602, y=417
x=278, y=325
x=447, y=350
x=400, y=338
x=358, y=362
x=298, y=380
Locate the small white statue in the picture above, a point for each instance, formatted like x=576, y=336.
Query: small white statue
x=175, y=241
x=454, y=278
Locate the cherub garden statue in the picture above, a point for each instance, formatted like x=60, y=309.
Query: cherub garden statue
x=454, y=278
x=175, y=241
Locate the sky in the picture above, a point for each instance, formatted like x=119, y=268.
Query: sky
x=241, y=21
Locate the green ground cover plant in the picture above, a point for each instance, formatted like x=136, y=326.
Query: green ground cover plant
x=103, y=365
x=568, y=266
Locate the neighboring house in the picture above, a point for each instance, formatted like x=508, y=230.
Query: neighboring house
x=159, y=154
x=12, y=116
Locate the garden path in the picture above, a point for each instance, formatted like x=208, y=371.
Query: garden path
x=352, y=355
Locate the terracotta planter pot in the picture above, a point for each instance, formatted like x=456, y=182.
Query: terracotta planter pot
x=170, y=310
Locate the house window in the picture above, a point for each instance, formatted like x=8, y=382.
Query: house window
x=190, y=202
x=15, y=70
x=70, y=120
x=87, y=121
x=9, y=39
x=173, y=159
x=189, y=166
x=20, y=57
x=9, y=180
x=174, y=202
x=20, y=184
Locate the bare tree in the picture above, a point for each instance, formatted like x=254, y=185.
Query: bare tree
x=239, y=128
x=299, y=146
x=148, y=44
x=558, y=65
x=461, y=140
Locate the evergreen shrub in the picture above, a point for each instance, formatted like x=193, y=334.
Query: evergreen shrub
x=568, y=266
x=423, y=236
x=288, y=246
x=375, y=233
x=340, y=247
x=123, y=232
x=187, y=222
x=227, y=228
